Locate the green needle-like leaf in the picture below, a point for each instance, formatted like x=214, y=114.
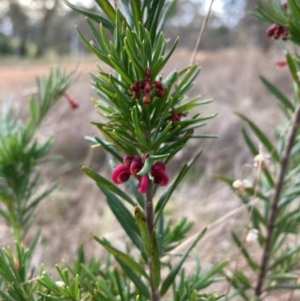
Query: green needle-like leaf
x=108, y=9
x=175, y=270
x=262, y=137
x=273, y=89
x=166, y=196
x=136, y=11
x=122, y=257
x=97, y=18
x=251, y=262
x=124, y=217
x=140, y=285
x=139, y=133
x=103, y=182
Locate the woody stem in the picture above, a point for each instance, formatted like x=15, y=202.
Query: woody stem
x=150, y=219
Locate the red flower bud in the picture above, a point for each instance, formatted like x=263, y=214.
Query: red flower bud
x=16, y=264
x=158, y=85
x=120, y=174
x=281, y=63
x=158, y=166
x=147, y=87
x=143, y=184
x=158, y=172
x=142, y=84
x=276, y=31
x=270, y=30
x=135, y=166
x=136, y=94
x=160, y=177
x=127, y=160
x=160, y=93
x=72, y=102
x=176, y=116
x=135, y=86
x=146, y=99
x=147, y=74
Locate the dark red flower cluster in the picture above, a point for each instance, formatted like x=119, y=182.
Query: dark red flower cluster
x=176, y=116
x=132, y=165
x=145, y=86
x=72, y=102
x=277, y=31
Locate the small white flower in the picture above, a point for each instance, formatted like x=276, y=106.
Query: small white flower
x=252, y=235
x=60, y=283
x=260, y=161
x=240, y=185
x=247, y=183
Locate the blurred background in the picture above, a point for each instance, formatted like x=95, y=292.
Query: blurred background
x=234, y=51
x=35, y=28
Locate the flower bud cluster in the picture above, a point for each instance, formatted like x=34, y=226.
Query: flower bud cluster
x=145, y=86
x=132, y=165
x=276, y=31
x=176, y=116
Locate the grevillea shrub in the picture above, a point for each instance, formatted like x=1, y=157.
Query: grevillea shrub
x=146, y=119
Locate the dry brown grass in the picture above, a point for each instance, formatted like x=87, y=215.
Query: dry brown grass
x=77, y=208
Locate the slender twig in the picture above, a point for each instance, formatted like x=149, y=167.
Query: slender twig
x=274, y=202
x=149, y=209
x=204, y=23
x=150, y=220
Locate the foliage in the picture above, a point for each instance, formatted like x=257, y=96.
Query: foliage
x=146, y=120
x=273, y=200
x=5, y=45
x=21, y=153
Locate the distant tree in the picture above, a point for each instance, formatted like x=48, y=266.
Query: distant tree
x=5, y=45
x=20, y=23
x=36, y=18
x=48, y=9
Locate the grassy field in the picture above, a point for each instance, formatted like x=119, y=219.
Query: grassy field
x=77, y=208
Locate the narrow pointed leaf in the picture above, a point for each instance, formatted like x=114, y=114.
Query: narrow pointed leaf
x=293, y=69
x=174, y=271
x=262, y=137
x=108, y=9
x=136, y=11
x=282, y=258
x=139, y=133
x=103, y=182
x=124, y=217
x=122, y=257
x=166, y=196
x=245, y=253
x=273, y=89
x=140, y=285
x=97, y=18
